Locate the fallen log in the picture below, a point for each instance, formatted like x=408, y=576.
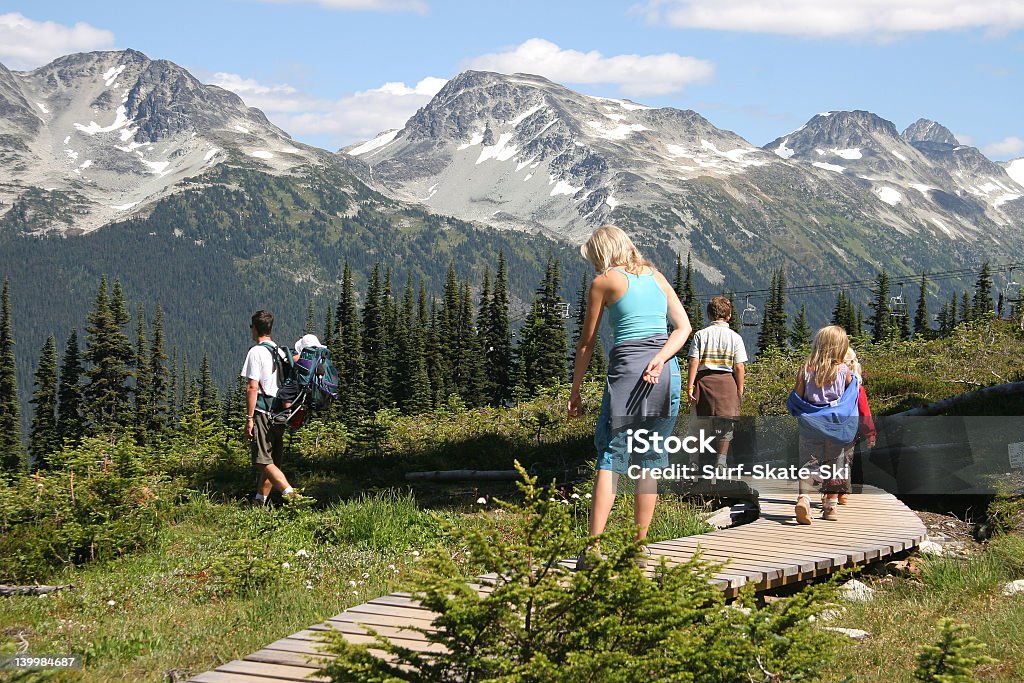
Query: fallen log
x=942, y=406
x=463, y=475
x=32, y=590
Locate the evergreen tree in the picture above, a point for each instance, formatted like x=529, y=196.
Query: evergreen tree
x=327, y=338
x=598, y=364
x=880, y=318
x=377, y=389
x=173, y=388
x=981, y=305
x=954, y=313
x=206, y=392
x=11, y=456
x=966, y=312
x=310, y=326
x=471, y=374
x=70, y=422
x=347, y=351
x=109, y=354
x=774, y=331
x=922, y=323
x=159, y=408
x=944, y=323
x=143, y=378
x=801, y=333
x=500, y=355
x=544, y=340
x=44, y=439
x=844, y=315
x=414, y=396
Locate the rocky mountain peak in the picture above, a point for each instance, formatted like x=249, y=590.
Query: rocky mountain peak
x=924, y=130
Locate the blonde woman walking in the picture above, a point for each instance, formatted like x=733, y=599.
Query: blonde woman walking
x=640, y=303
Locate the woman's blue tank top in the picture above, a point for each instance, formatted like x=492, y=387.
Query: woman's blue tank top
x=640, y=312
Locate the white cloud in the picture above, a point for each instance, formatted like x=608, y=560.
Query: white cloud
x=634, y=74
x=829, y=18
x=26, y=43
x=364, y=5
x=1007, y=148
x=350, y=118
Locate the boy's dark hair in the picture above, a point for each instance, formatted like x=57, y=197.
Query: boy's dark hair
x=263, y=321
x=719, y=308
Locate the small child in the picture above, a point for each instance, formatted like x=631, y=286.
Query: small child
x=715, y=380
x=866, y=424
x=305, y=342
x=821, y=382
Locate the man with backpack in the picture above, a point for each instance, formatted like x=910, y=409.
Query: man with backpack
x=267, y=437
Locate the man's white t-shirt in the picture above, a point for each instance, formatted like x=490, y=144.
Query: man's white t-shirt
x=259, y=365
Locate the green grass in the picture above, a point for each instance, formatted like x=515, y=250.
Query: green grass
x=214, y=586
x=904, y=615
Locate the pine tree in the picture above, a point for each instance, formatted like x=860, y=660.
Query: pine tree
x=954, y=313
x=471, y=373
x=70, y=423
x=544, y=339
x=768, y=336
x=880, y=318
x=414, y=396
x=966, y=312
x=44, y=440
x=173, y=389
x=109, y=354
x=922, y=322
x=143, y=379
x=11, y=454
x=500, y=356
x=981, y=304
x=944, y=324
x=375, y=345
x=598, y=364
x=159, y=409
x=801, y=333
x=347, y=352
x=206, y=392
x=310, y=326
x=780, y=324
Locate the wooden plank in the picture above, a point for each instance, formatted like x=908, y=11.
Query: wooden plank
x=281, y=672
x=228, y=677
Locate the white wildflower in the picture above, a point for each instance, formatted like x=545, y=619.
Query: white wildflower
x=111, y=602
x=366, y=575
x=285, y=565
x=353, y=583
x=415, y=553
x=301, y=553
x=481, y=501
x=575, y=495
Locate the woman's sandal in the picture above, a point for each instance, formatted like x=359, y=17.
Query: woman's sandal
x=803, y=510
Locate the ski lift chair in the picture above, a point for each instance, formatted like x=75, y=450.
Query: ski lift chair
x=897, y=305
x=749, y=317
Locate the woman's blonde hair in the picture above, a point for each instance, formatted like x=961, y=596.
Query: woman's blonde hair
x=827, y=354
x=609, y=247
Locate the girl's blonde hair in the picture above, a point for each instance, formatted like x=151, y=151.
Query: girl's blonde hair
x=827, y=354
x=609, y=247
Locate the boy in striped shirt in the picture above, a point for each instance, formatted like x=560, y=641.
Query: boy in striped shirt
x=715, y=381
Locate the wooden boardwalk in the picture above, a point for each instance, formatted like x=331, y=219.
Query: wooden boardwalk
x=769, y=552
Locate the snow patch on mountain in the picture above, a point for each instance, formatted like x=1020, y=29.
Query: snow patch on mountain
x=500, y=151
x=783, y=151
x=851, y=154
x=1015, y=169
x=381, y=140
x=829, y=167
x=888, y=195
x=120, y=121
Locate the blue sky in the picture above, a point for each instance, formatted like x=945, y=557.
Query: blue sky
x=332, y=72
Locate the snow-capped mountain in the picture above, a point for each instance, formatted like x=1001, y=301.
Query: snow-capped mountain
x=523, y=152
x=1015, y=169
x=106, y=133
x=519, y=151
